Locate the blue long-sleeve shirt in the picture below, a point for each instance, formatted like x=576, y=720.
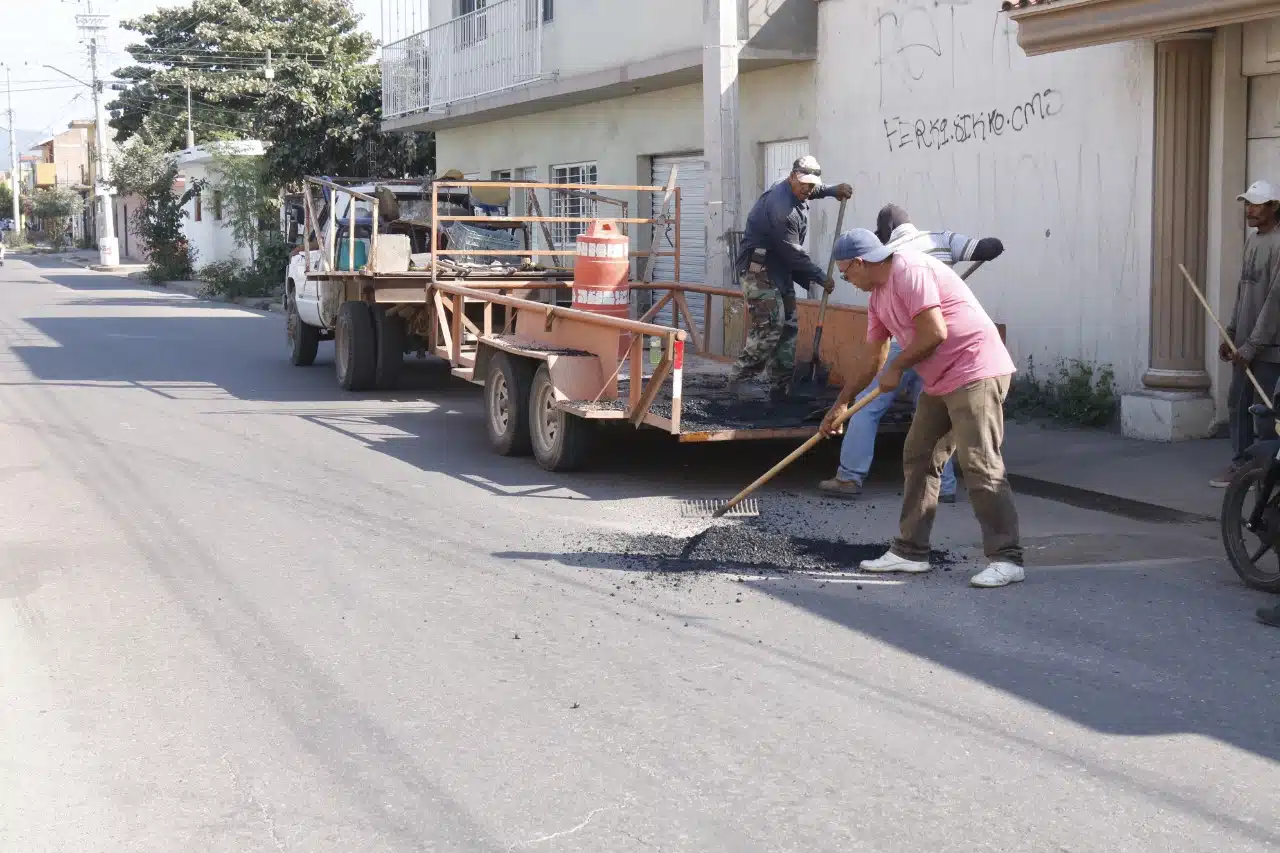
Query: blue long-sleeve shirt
x=778, y=223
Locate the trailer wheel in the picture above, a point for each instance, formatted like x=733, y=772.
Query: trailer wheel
x=390, y=333
x=355, y=349
x=561, y=441
x=506, y=403
x=304, y=339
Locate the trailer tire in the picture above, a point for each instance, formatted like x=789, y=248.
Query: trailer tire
x=561, y=441
x=304, y=339
x=506, y=403
x=391, y=333
x=355, y=347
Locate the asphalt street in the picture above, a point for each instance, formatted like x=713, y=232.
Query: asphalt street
x=242, y=610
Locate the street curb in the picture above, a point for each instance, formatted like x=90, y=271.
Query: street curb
x=1134, y=510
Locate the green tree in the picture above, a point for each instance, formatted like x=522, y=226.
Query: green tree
x=55, y=206
x=320, y=110
x=145, y=168
x=6, y=200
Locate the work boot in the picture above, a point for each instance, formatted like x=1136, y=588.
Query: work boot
x=1269, y=616
x=837, y=488
x=947, y=499
x=780, y=395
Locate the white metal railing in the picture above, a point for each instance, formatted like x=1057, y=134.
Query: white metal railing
x=496, y=47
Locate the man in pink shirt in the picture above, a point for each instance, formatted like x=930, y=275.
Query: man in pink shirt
x=957, y=351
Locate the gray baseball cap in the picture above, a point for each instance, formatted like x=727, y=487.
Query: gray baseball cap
x=860, y=243
x=807, y=170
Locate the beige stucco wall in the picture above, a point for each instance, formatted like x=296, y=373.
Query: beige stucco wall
x=617, y=134
x=903, y=95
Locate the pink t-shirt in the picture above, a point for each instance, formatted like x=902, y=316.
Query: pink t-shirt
x=973, y=349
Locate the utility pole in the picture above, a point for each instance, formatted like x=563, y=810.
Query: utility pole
x=108, y=246
x=191, y=133
x=15, y=174
x=721, y=48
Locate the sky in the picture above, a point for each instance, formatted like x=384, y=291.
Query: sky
x=35, y=32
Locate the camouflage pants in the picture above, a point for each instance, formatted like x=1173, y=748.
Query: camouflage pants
x=771, y=338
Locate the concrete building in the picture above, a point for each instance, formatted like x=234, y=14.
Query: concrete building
x=206, y=228
x=1104, y=141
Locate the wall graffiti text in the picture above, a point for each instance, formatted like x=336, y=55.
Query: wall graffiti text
x=936, y=133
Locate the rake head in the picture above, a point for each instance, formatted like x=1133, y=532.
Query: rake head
x=750, y=508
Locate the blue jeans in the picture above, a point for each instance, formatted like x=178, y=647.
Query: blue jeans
x=859, y=445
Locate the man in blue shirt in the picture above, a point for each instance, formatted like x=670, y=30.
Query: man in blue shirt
x=771, y=262
x=894, y=228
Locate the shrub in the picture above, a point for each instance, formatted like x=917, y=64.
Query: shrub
x=1081, y=394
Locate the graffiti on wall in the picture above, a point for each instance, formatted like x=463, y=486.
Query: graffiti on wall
x=935, y=133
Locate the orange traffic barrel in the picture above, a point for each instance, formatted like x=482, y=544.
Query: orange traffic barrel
x=602, y=270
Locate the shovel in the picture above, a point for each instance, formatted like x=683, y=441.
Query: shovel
x=815, y=362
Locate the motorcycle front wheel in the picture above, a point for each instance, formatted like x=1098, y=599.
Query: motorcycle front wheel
x=1253, y=555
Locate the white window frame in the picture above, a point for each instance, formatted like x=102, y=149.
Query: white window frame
x=585, y=172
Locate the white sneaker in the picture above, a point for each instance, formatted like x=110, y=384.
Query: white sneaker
x=998, y=573
x=891, y=562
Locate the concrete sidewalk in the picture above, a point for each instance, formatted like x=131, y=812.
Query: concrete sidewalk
x=1174, y=476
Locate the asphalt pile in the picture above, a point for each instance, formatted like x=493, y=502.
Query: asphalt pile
x=739, y=547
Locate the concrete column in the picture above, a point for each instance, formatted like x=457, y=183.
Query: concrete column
x=721, y=47
x=1228, y=175
x=1184, y=69
x=1175, y=404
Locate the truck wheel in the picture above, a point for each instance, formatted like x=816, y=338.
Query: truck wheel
x=355, y=350
x=390, y=333
x=560, y=441
x=304, y=339
x=506, y=403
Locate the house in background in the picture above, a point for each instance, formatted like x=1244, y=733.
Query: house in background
x=611, y=92
x=1104, y=141
x=206, y=228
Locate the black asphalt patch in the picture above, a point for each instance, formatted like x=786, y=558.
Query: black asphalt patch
x=739, y=548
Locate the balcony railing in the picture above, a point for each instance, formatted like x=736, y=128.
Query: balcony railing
x=494, y=48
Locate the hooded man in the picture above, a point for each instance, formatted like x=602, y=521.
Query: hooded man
x=894, y=228
x=771, y=262
x=951, y=342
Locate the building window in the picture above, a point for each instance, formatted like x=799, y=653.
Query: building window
x=217, y=205
x=548, y=11
x=564, y=204
x=476, y=27
x=199, y=208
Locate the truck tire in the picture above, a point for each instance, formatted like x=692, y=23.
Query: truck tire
x=506, y=404
x=561, y=441
x=390, y=333
x=304, y=339
x=355, y=347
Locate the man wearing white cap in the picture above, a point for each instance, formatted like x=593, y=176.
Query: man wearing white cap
x=772, y=261
x=1254, y=326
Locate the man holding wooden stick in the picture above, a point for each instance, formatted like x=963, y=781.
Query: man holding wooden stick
x=1254, y=327
x=772, y=260
x=951, y=342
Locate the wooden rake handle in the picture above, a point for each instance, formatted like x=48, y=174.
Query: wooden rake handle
x=1266, y=398
x=795, y=454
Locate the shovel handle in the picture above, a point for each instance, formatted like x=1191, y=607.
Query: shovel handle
x=1263, y=395
x=795, y=454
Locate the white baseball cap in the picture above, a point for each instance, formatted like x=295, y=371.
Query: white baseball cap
x=1260, y=192
x=807, y=170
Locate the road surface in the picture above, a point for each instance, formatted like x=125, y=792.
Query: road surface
x=241, y=611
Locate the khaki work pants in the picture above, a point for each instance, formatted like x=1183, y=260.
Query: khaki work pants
x=971, y=420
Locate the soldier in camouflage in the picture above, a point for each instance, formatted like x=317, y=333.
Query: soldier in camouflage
x=772, y=261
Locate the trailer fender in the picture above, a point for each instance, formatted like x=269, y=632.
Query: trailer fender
x=575, y=375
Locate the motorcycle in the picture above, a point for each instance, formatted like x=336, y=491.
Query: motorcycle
x=1251, y=514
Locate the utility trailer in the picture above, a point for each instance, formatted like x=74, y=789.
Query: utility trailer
x=555, y=378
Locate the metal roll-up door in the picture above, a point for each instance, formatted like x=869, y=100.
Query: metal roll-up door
x=691, y=177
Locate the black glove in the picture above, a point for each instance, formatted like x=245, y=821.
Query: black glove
x=988, y=249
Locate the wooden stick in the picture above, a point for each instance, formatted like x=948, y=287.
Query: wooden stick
x=1266, y=398
x=816, y=359
x=964, y=276
x=795, y=454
